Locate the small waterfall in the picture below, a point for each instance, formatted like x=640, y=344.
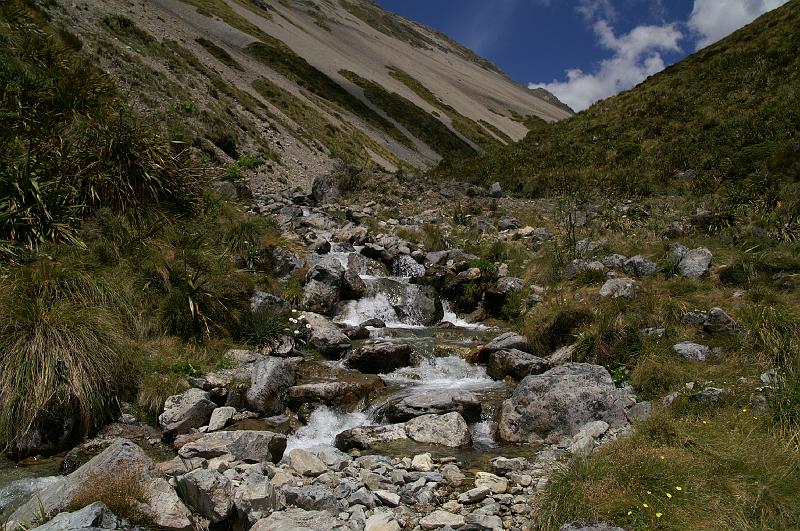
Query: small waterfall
x=451, y=317
x=483, y=435
x=323, y=426
x=406, y=267
x=450, y=372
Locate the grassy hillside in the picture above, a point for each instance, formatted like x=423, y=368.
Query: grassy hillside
x=727, y=117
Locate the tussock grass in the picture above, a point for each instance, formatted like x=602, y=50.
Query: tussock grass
x=122, y=491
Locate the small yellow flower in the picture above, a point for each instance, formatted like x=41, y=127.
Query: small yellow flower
x=648, y=492
x=678, y=488
x=645, y=505
x=630, y=513
x=659, y=515
x=661, y=457
x=744, y=410
x=669, y=495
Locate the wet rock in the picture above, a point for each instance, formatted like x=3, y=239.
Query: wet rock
x=244, y=445
x=18, y=492
x=353, y=287
x=406, y=266
x=447, y=430
x=356, y=333
x=692, y=351
x=185, y=411
x=325, y=337
x=94, y=516
x=413, y=303
x=323, y=285
x=719, y=322
x=619, y=288
x=640, y=266
x=305, y=463
x=380, y=357
x=559, y=402
x=505, y=341
x=321, y=383
x=296, y=519
x=270, y=379
x=515, y=363
x=432, y=402
x=362, y=265
x=362, y=438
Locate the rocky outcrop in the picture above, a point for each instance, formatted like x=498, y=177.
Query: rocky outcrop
x=185, y=411
x=556, y=404
x=433, y=402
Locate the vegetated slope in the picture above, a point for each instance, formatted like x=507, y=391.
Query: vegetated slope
x=201, y=66
x=727, y=116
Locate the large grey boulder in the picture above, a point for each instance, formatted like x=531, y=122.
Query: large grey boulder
x=18, y=492
x=244, y=445
x=311, y=498
x=325, y=337
x=446, y=430
x=305, y=463
x=556, y=404
x=692, y=351
x=323, y=285
x=94, y=516
x=414, y=304
x=640, y=266
x=270, y=379
x=379, y=357
x=435, y=402
x=619, y=288
x=208, y=493
x=717, y=321
x=296, y=520
x=255, y=496
x=515, y=363
x=325, y=189
x=695, y=263
x=190, y=409
x=164, y=506
x=362, y=265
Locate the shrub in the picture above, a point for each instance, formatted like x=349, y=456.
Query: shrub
x=122, y=491
x=263, y=327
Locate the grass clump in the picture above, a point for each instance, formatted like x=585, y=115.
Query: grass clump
x=122, y=491
x=219, y=53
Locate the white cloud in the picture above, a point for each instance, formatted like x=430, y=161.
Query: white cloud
x=714, y=19
x=636, y=55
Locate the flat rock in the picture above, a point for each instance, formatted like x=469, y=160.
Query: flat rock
x=447, y=430
x=295, y=519
x=432, y=402
x=381, y=357
x=245, y=445
x=440, y=518
x=190, y=409
x=515, y=363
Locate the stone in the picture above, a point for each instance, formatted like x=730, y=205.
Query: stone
x=615, y=261
x=619, y=288
x=692, y=351
x=296, y=519
x=245, y=445
x=285, y=263
x=190, y=409
x=325, y=337
x=363, y=437
x=515, y=363
x=262, y=301
x=305, y=463
x=435, y=402
x=495, y=484
x=379, y=357
x=362, y=265
x=585, y=440
x=270, y=379
x=447, y=430
x=640, y=266
x=640, y=411
x=452, y=474
x=695, y=263
x=389, y=499
x=559, y=402
x=325, y=189
x=422, y=462
x=164, y=506
x=208, y=493
x=508, y=223
x=18, y=492
x=719, y=322
x=484, y=521
x=353, y=287
x=472, y=496
x=413, y=303
x=710, y=395
x=440, y=518
x=255, y=496
x=580, y=265
x=94, y=516
x=362, y=496
x=225, y=188
x=381, y=521
x=320, y=383
x=495, y=190
x=406, y=267
x=504, y=465
x=312, y=498
x=505, y=341
x=220, y=418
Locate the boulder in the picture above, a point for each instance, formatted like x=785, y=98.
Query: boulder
x=94, y=516
x=190, y=409
x=579, y=265
x=305, y=463
x=220, y=418
x=710, y=395
x=364, y=437
x=262, y=301
x=619, y=288
x=164, y=506
x=255, y=496
x=312, y=498
x=353, y=287
x=325, y=189
x=508, y=223
x=515, y=363
x=447, y=430
x=208, y=493
x=495, y=484
x=495, y=190
x=558, y=403
x=381, y=357
x=381, y=521
x=505, y=341
x=321, y=383
x=245, y=445
x=285, y=263
x=440, y=518
x=717, y=321
x=405, y=266
x=413, y=304
x=18, y=492
x=296, y=519
x=695, y=263
x=640, y=266
x=436, y=402
x=325, y=337
x=270, y=379
x=692, y=351
x=323, y=285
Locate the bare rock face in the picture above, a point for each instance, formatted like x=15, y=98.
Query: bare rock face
x=244, y=445
x=446, y=430
x=515, y=363
x=185, y=411
x=270, y=379
x=547, y=407
x=433, y=402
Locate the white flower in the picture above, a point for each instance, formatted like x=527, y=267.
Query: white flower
x=293, y=321
x=302, y=317
x=308, y=326
x=294, y=311
x=296, y=332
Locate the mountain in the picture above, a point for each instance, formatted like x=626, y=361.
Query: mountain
x=310, y=81
x=728, y=114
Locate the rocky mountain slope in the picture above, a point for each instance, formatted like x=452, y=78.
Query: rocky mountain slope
x=308, y=81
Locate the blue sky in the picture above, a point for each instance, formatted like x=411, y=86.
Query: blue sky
x=583, y=50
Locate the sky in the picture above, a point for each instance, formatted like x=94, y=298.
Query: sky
x=583, y=50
